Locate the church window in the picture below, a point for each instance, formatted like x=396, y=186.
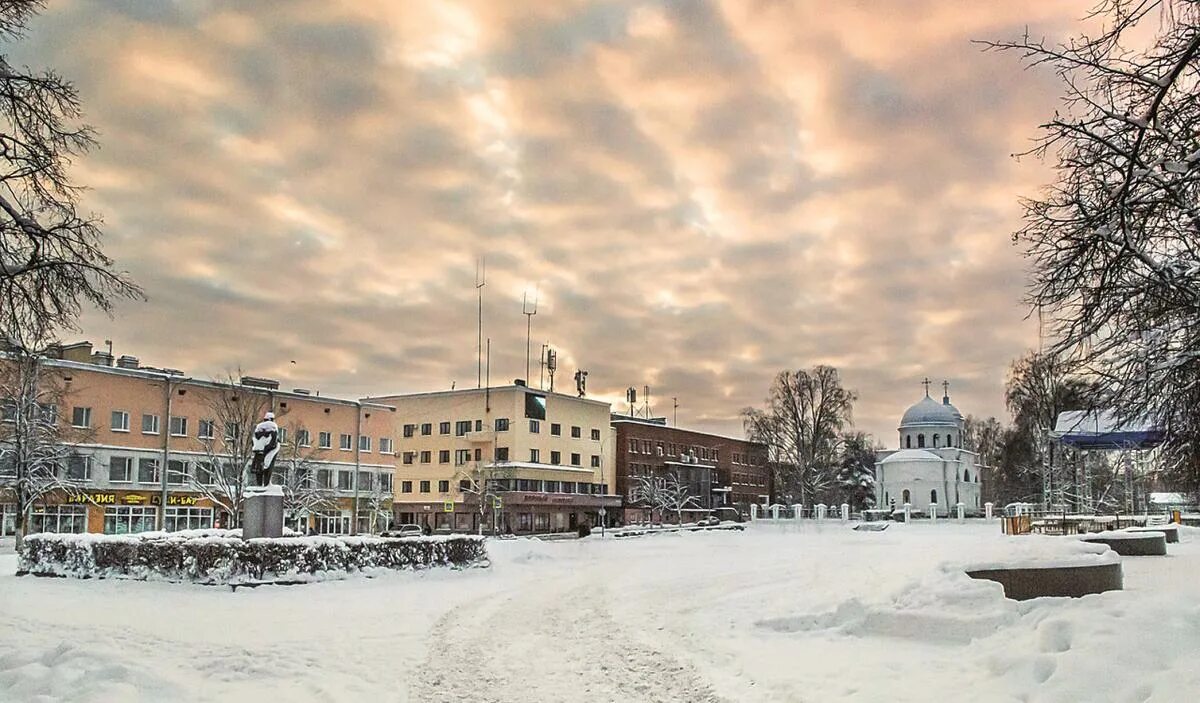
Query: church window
x=936, y=437
x=933, y=496
x=949, y=441
x=908, y=441
x=921, y=441
x=966, y=476
x=906, y=497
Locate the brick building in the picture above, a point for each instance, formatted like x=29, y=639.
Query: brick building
x=721, y=471
x=123, y=423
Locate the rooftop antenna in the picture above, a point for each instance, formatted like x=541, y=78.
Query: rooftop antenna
x=631, y=396
x=581, y=382
x=480, y=282
x=542, y=367
x=528, y=311
x=109, y=343
x=551, y=365
x=675, y=411
x=646, y=400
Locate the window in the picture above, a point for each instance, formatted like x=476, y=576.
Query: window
x=148, y=471
x=178, y=426
x=206, y=472
x=535, y=427
x=479, y=425
x=461, y=428
x=175, y=519
x=502, y=424
x=385, y=445
x=576, y=459
x=120, y=421
x=79, y=467
x=933, y=495
x=364, y=443
x=424, y=486
x=550, y=486
x=303, y=439
x=81, y=417
x=325, y=478
x=333, y=523
x=633, y=445
x=461, y=457
x=59, y=518
x=966, y=476
x=232, y=431
x=443, y=486
x=464, y=485
x=426, y=457
x=595, y=461
x=8, y=410
x=177, y=472
x=205, y=429
x=576, y=432
x=534, y=456
x=905, y=496
x=345, y=480
x=324, y=440
x=555, y=457
x=409, y=457
x=501, y=453
x=365, y=480
x=556, y=429
x=936, y=438
x=427, y=429
x=596, y=434
x=149, y=424
x=920, y=441
x=444, y=428
x=410, y=430
x=406, y=486
x=345, y=442
x=908, y=442
x=444, y=456
x=478, y=454
x=949, y=441
x=128, y=519
x=120, y=469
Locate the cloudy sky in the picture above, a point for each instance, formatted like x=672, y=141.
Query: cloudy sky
x=701, y=193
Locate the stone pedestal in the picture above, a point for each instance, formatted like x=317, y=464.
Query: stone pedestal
x=262, y=514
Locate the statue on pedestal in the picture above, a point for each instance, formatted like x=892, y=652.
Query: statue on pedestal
x=265, y=446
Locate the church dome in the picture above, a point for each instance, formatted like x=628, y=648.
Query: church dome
x=931, y=412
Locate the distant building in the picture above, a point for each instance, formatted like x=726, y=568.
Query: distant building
x=721, y=471
x=930, y=468
x=131, y=421
x=544, y=460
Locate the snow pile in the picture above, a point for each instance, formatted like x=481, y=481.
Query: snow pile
x=218, y=557
x=1034, y=552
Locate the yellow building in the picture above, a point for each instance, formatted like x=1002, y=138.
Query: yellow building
x=126, y=421
x=537, y=461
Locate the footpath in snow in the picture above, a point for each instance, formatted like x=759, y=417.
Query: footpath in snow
x=775, y=613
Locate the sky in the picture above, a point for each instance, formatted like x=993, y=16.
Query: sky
x=698, y=194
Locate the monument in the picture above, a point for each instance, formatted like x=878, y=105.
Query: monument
x=262, y=512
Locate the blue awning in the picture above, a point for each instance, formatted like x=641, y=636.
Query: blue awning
x=1101, y=430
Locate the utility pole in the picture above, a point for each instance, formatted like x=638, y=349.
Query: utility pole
x=480, y=282
x=528, y=311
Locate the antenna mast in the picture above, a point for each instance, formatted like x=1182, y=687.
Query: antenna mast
x=480, y=282
x=675, y=410
x=528, y=311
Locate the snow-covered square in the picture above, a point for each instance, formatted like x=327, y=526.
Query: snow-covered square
x=780, y=612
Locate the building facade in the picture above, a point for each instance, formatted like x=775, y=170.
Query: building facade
x=930, y=470
x=125, y=423
x=720, y=471
x=509, y=459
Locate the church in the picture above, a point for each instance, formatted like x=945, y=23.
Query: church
x=930, y=468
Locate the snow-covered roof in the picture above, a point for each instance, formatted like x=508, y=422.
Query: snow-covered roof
x=930, y=412
x=1091, y=429
x=911, y=455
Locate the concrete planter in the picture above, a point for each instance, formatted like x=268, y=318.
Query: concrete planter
x=1025, y=583
x=1131, y=544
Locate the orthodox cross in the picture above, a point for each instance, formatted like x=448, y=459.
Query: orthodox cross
x=946, y=388
x=926, y=384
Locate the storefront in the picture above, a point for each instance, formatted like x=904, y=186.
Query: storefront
x=120, y=512
x=514, y=512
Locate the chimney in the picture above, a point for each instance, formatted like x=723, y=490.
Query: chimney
x=102, y=358
x=77, y=351
x=127, y=362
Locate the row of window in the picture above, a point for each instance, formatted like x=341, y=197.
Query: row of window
x=119, y=421
x=502, y=424
x=464, y=456
x=119, y=519
x=125, y=469
x=937, y=441
x=646, y=446
x=512, y=484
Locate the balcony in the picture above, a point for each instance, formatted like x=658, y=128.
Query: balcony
x=481, y=437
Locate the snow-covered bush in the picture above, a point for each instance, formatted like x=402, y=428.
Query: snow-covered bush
x=221, y=557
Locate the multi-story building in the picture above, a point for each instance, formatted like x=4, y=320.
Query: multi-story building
x=125, y=422
x=720, y=471
x=537, y=461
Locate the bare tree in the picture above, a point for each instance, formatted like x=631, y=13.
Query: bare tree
x=51, y=262
x=481, y=480
x=36, y=448
x=802, y=428
x=649, y=490
x=222, y=476
x=676, y=496
x=1115, y=239
x=296, y=472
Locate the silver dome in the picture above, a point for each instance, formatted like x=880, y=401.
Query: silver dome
x=930, y=412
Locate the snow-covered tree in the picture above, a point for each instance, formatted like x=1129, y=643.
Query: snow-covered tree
x=51, y=263
x=801, y=425
x=664, y=493
x=1114, y=241
x=481, y=481
x=296, y=472
x=36, y=447
x=856, y=471
x=222, y=475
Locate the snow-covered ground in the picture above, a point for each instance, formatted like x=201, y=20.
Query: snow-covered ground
x=777, y=613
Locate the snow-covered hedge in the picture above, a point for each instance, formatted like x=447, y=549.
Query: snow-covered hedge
x=222, y=557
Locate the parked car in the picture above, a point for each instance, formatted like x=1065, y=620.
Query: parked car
x=729, y=513
x=709, y=521
x=404, y=531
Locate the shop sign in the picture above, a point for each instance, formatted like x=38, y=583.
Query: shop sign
x=97, y=498
x=133, y=499
x=176, y=499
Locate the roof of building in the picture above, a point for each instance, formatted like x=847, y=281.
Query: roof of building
x=930, y=412
x=911, y=455
x=388, y=397
x=1104, y=430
